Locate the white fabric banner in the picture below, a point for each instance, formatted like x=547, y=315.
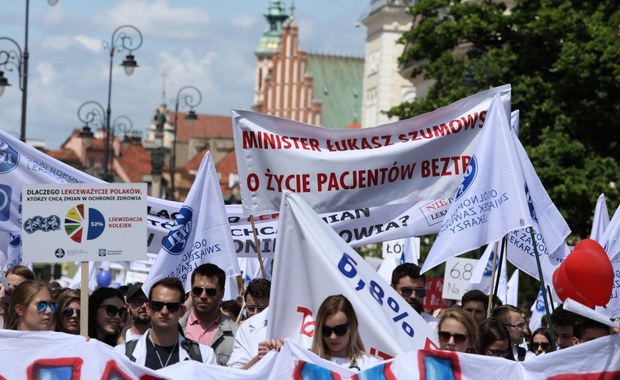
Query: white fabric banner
x=611, y=237
x=419, y=159
x=490, y=201
x=51, y=355
x=312, y=263
x=482, y=274
x=600, y=221
x=200, y=233
x=512, y=289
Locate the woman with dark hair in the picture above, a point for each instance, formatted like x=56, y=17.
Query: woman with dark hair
x=106, y=312
x=494, y=339
x=457, y=331
x=31, y=307
x=14, y=276
x=336, y=336
x=540, y=341
x=67, y=315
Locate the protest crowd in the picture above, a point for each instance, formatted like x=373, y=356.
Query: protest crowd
x=320, y=310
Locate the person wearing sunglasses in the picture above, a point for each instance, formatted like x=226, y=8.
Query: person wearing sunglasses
x=204, y=323
x=457, y=331
x=137, y=303
x=409, y=283
x=494, y=339
x=512, y=318
x=106, y=315
x=336, y=337
x=67, y=314
x=541, y=341
x=163, y=345
x=14, y=276
x=31, y=307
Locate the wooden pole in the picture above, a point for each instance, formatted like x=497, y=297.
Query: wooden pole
x=258, y=252
x=84, y=282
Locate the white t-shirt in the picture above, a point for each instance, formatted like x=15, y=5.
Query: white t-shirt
x=361, y=362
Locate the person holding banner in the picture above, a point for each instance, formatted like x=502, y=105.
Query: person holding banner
x=31, y=307
x=67, y=314
x=457, y=331
x=106, y=313
x=409, y=283
x=336, y=336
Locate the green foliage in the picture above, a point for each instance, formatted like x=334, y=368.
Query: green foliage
x=562, y=59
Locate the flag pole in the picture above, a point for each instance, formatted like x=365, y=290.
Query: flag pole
x=84, y=282
x=502, y=252
x=490, y=305
x=543, y=288
x=258, y=252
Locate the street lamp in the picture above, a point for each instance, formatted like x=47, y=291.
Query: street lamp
x=91, y=113
x=121, y=40
x=20, y=60
x=187, y=96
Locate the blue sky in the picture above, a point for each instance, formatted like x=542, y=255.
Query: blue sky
x=205, y=43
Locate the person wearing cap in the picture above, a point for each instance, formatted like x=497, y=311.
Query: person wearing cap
x=137, y=305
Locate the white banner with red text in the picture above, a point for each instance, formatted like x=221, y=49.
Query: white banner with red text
x=418, y=159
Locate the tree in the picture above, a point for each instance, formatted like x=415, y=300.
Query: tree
x=562, y=59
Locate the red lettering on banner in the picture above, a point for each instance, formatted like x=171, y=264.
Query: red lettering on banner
x=374, y=352
x=444, y=166
x=358, y=143
x=307, y=322
x=437, y=204
x=266, y=140
x=470, y=121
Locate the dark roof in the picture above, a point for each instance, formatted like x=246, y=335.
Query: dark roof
x=207, y=126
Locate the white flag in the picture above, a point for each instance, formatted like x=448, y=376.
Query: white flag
x=512, y=290
x=200, y=233
x=311, y=263
x=600, y=221
x=490, y=201
x=481, y=278
x=611, y=238
x=411, y=250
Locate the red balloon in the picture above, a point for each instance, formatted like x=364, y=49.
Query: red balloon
x=586, y=275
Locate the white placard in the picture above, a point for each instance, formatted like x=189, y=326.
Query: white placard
x=84, y=222
x=393, y=247
x=457, y=276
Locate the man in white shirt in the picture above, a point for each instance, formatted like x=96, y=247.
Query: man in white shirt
x=162, y=345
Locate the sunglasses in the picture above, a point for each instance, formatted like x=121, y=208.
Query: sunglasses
x=445, y=336
x=534, y=346
x=173, y=307
x=137, y=302
x=339, y=330
x=197, y=291
x=407, y=292
x=68, y=312
x=112, y=310
x=497, y=353
x=43, y=305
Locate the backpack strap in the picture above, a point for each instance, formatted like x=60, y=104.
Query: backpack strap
x=193, y=349
x=129, y=348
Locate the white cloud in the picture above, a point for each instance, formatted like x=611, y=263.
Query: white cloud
x=92, y=44
x=46, y=73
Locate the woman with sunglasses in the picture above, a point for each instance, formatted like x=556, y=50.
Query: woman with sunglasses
x=457, y=331
x=541, y=341
x=31, y=307
x=106, y=314
x=337, y=337
x=67, y=315
x=494, y=339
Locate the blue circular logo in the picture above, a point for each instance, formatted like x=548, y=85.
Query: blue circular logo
x=530, y=204
x=177, y=238
x=8, y=157
x=468, y=178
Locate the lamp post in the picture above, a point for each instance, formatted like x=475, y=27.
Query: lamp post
x=19, y=59
x=92, y=113
x=121, y=41
x=187, y=96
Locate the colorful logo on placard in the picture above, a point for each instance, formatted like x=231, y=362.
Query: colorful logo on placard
x=468, y=178
x=81, y=226
x=177, y=238
x=5, y=202
x=8, y=157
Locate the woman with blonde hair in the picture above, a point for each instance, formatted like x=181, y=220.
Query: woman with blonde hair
x=31, y=307
x=67, y=315
x=336, y=336
x=457, y=331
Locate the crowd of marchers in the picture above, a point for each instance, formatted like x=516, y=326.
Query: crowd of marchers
x=169, y=325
